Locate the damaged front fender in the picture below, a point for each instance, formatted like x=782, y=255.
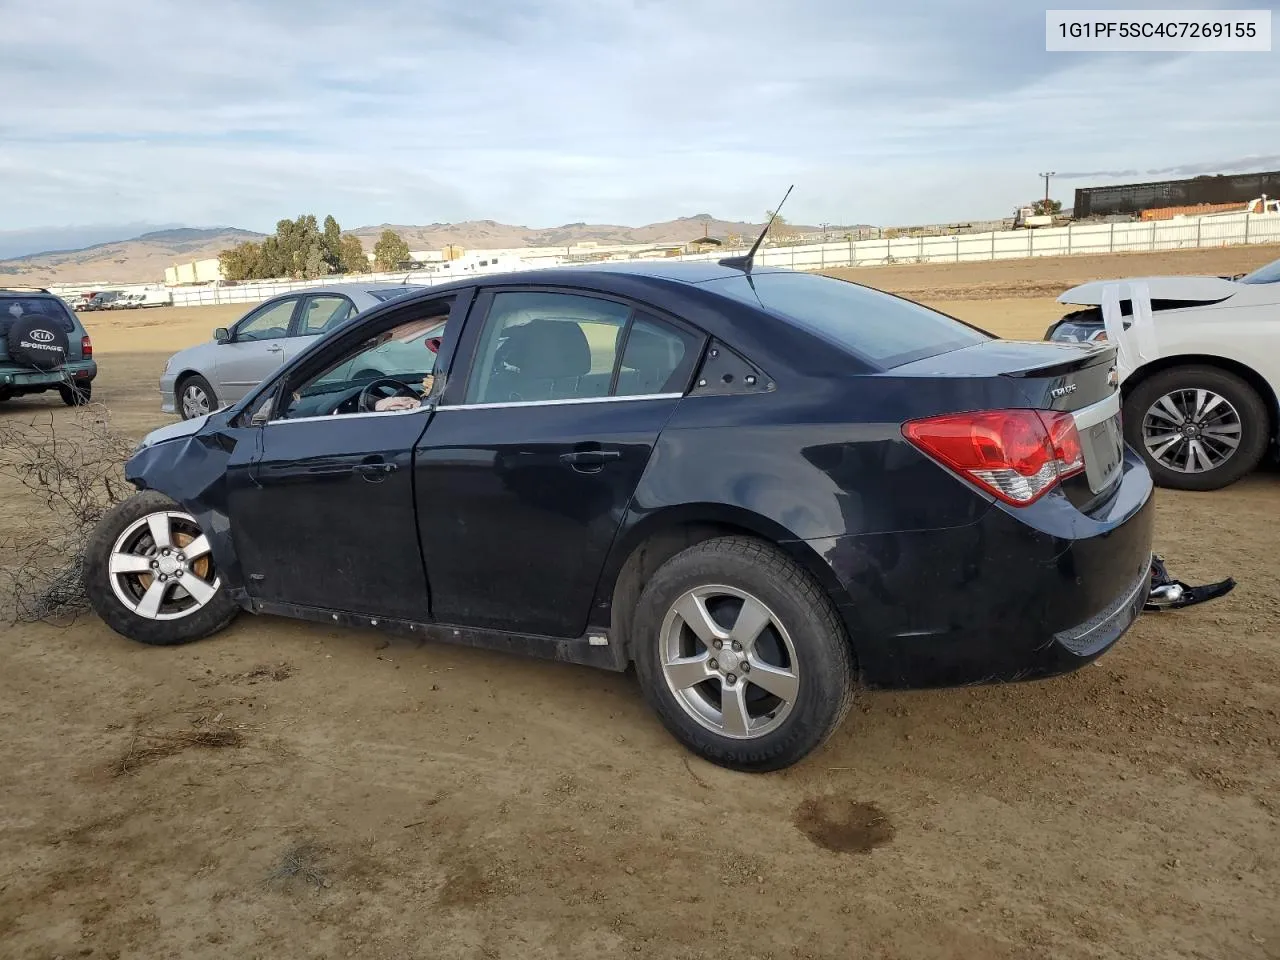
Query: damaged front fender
x=202, y=464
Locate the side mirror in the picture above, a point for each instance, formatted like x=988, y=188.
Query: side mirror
x=222, y=335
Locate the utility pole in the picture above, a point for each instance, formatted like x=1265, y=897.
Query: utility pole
x=1051, y=173
x=824, y=231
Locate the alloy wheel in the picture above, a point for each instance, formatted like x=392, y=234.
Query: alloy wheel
x=729, y=661
x=1191, y=430
x=161, y=567
x=195, y=402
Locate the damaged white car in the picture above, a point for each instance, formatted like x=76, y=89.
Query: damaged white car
x=1200, y=395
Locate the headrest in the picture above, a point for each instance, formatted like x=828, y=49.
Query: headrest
x=549, y=349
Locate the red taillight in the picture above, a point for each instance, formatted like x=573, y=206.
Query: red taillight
x=86, y=346
x=1018, y=455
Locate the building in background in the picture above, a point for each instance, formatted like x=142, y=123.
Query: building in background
x=197, y=271
x=1133, y=198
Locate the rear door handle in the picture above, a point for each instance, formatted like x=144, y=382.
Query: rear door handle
x=275, y=349
x=590, y=458
x=374, y=471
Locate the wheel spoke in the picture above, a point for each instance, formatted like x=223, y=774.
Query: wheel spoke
x=158, y=524
x=129, y=563
x=1220, y=439
x=1214, y=401
x=752, y=619
x=1166, y=446
x=692, y=609
x=1170, y=410
x=688, y=672
x=197, y=548
x=149, y=605
x=782, y=683
x=1202, y=398
x=1198, y=459
x=733, y=709
x=201, y=591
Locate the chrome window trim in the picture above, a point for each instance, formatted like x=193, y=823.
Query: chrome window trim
x=1097, y=413
x=331, y=417
x=558, y=403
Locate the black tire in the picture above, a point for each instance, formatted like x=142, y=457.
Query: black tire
x=209, y=619
x=76, y=394
x=1255, y=424
x=199, y=383
x=825, y=668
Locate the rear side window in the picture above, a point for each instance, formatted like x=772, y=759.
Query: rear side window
x=15, y=308
x=882, y=329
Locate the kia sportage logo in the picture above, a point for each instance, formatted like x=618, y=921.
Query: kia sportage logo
x=41, y=336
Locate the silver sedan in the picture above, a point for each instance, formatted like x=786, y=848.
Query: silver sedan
x=213, y=374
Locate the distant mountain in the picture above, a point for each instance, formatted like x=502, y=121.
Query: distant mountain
x=482, y=234
x=144, y=258
x=21, y=243
x=140, y=259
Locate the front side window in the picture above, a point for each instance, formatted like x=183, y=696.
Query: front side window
x=269, y=323
x=324, y=312
x=393, y=369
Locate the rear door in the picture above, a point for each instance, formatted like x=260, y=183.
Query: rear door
x=256, y=348
x=525, y=472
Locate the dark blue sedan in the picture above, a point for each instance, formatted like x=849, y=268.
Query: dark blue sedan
x=765, y=489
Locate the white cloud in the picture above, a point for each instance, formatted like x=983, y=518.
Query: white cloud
x=548, y=112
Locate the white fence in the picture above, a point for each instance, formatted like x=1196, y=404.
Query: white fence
x=1188, y=233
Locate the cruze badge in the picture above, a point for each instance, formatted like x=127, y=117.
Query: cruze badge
x=1057, y=392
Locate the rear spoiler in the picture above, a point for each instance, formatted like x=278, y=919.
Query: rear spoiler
x=1080, y=357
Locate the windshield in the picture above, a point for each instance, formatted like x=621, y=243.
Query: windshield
x=1268, y=274
x=883, y=329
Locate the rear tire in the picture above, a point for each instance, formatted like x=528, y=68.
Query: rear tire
x=134, y=603
x=195, y=397
x=1238, y=414
x=705, y=696
x=76, y=394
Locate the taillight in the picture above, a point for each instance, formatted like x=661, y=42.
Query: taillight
x=1018, y=455
x=86, y=346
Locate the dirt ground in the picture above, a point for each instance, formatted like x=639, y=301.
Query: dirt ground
x=287, y=790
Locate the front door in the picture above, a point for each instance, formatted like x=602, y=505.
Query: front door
x=255, y=350
x=329, y=521
x=525, y=471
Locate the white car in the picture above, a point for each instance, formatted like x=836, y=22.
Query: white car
x=1201, y=408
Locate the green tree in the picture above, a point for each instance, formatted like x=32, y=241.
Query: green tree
x=780, y=229
x=241, y=262
x=351, y=255
x=332, y=245
x=1042, y=207
x=389, y=251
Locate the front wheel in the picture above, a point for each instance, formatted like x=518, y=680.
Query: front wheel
x=150, y=575
x=196, y=397
x=1197, y=427
x=742, y=654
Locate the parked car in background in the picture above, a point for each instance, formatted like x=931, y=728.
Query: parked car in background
x=764, y=489
x=104, y=300
x=1203, y=411
x=213, y=374
x=43, y=347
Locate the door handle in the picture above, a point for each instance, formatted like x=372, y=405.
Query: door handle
x=275, y=349
x=590, y=458
x=374, y=471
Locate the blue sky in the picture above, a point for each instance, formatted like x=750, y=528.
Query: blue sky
x=620, y=111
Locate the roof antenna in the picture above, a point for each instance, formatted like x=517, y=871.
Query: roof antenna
x=744, y=263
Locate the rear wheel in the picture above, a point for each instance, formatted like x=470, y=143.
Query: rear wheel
x=742, y=655
x=150, y=575
x=195, y=397
x=1197, y=427
x=76, y=394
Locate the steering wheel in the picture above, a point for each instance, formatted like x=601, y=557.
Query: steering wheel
x=380, y=390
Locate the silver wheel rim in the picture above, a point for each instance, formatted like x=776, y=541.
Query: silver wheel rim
x=195, y=402
x=161, y=568
x=1191, y=430
x=729, y=662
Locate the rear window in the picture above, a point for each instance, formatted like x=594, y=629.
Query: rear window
x=15, y=308
x=1268, y=274
x=882, y=329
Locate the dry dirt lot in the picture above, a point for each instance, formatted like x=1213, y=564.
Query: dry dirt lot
x=286, y=790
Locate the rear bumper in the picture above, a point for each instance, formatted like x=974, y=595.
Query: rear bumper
x=1020, y=594
x=16, y=380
